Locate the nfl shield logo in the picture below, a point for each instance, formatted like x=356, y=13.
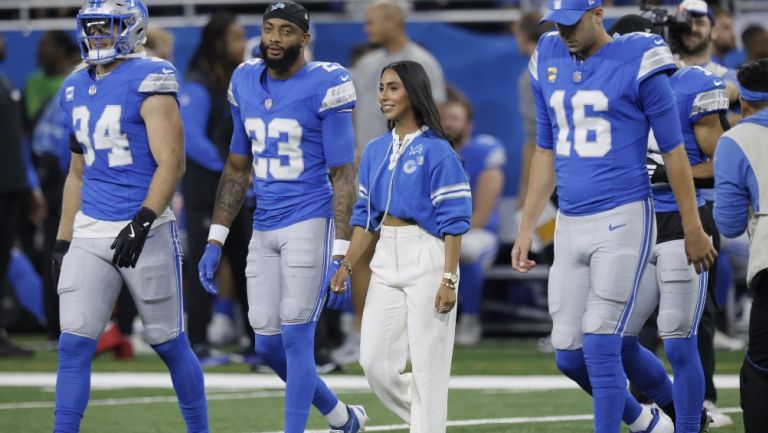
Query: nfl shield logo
x=577, y=77
x=92, y=90
x=268, y=103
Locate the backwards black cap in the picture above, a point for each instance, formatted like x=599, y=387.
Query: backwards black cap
x=289, y=11
x=632, y=23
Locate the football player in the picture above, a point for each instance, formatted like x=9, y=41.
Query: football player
x=293, y=129
x=596, y=98
x=116, y=226
x=669, y=281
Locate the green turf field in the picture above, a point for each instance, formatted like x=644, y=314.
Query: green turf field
x=30, y=409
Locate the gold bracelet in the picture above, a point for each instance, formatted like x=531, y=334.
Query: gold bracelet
x=449, y=284
x=348, y=266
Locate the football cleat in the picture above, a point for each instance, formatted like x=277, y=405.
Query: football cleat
x=659, y=424
x=356, y=422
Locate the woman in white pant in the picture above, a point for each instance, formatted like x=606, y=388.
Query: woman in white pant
x=413, y=190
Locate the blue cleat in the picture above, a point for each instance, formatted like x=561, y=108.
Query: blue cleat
x=356, y=422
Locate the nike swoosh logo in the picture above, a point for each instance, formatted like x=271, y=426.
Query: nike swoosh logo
x=717, y=83
x=658, y=42
x=167, y=71
x=345, y=78
x=612, y=227
x=132, y=235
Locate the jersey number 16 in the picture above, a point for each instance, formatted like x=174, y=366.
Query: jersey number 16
x=582, y=124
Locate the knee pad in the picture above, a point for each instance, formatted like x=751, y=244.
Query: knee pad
x=673, y=325
x=259, y=320
x=79, y=322
x=567, y=338
x=290, y=312
x=155, y=334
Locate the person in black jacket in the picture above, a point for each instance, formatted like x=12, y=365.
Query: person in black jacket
x=207, y=133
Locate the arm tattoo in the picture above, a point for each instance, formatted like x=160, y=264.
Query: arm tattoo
x=344, y=195
x=230, y=196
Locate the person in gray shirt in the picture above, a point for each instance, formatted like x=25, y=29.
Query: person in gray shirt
x=385, y=26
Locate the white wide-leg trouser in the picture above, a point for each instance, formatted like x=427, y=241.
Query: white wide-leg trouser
x=399, y=317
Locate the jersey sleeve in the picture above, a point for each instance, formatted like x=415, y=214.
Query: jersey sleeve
x=338, y=138
x=731, y=188
x=159, y=78
x=655, y=95
x=240, y=143
x=338, y=93
x=363, y=214
x=195, y=110
x=653, y=55
x=710, y=98
x=451, y=196
x=66, y=94
x=543, y=123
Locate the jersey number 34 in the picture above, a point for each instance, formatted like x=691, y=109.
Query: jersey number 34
x=584, y=145
x=106, y=135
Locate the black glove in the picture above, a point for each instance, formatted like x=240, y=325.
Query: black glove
x=657, y=172
x=130, y=241
x=60, y=248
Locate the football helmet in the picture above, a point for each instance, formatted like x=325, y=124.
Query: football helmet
x=110, y=29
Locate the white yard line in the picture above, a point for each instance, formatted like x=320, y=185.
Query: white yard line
x=495, y=421
x=267, y=381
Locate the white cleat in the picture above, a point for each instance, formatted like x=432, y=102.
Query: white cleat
x=719, y=419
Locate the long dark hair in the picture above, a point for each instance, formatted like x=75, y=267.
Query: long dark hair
x=207, y=57
x=419, y=91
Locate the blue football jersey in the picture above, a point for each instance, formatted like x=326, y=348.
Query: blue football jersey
x=105, y=116
x=698, y=93
x=598, y=132
x=483, y=152
x=280, y=124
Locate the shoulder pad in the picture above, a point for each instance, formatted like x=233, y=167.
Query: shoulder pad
x=337, y=87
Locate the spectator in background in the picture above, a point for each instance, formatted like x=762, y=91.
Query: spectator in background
x=160, y=43
x=741, y=184
x=694, y=45
x=484, y=161
x=527, y=33
x=57, y=56
x=755, y=40
x=207, y=133
x=723, y=50
x=14, y=188
x=385, y=27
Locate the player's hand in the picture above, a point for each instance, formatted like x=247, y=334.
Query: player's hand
x=340, y=286
x=60, y=248
x=699, y=250
x=520, y=261
x=207, y=267
x=340, y=289
x=657, y=171
x=445, y=299
x=130, y=241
